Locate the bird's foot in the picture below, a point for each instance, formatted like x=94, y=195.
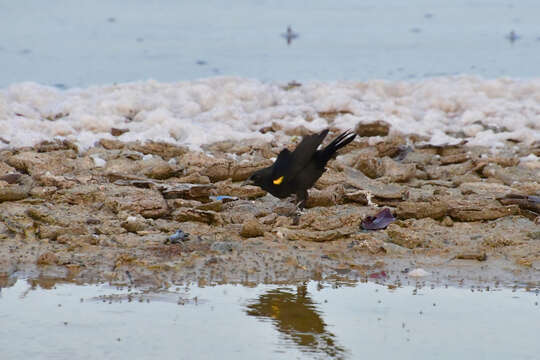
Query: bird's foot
x=296, y=215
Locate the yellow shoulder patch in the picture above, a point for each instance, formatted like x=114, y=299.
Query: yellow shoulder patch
x=278, y=181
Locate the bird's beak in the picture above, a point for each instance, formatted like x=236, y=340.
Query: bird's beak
x=248, y=182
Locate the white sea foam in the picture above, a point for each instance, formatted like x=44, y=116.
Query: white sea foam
x=445, y=110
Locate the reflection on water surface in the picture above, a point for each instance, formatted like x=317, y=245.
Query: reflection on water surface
x=49, y=320
x=296, y=317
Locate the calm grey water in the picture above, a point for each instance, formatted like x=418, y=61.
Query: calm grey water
x=76, y=43
x=306, y=321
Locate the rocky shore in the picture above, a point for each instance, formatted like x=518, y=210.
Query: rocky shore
x=157, y=213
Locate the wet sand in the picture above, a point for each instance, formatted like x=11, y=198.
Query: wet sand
x=464, y=214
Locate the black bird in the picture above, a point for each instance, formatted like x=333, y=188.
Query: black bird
x=296, y=172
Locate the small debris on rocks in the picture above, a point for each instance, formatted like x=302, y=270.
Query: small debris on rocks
x=380, y=221
x=177, y=237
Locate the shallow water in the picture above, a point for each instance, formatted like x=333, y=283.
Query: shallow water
x=78, y=44
x=312, y=320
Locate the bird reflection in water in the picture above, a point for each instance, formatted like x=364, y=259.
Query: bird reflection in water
x=296, y=317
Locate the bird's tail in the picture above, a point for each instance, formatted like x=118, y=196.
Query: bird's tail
x=336, y=144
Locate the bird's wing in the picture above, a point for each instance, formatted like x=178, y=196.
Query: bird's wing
x=290, y=164
x=282, y=164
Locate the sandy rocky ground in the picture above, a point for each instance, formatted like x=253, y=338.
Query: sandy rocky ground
x=106, y=214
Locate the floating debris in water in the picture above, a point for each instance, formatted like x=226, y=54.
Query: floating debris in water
x=380, y=221
x=512, y=36
x=378, y=275
x=418, y=273
x=290, y=35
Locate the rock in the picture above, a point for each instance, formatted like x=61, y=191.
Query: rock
x=386, y=191
x=204, y=216
x=354, y=157
x=242, y=192
x=56, y=162
x=45, y=215
x=336, y=217
x=51, y=231
x=447, y=221
x=252, y=228
x=394, y=249
x=455, y=158
x=316, y=236
x=15, y=187
x=419, y=210
x=134, y=224
x=268, y=219
x=47, y=258
x=6, y=169
x=472, y=256
x=331, y=115
x=163, y=149
x=391, y=146
x=525, y=202
x=329, y=178
x=498, y=241
x=504, y=161
x=128, y=164
x=243, y=170
x=491, y=190
x=195, y=178
x=224, y=246
x=328, y=197
x=309, y=235
x=405, y=237
x=237, y=212
x=448, y=171
x=371, y=167
x=118, y=132
x=161, y=171
x=213, y=206
x=217, y=170
x=178, y=203
x=511, y=175
x=55, y=145
x=396, y=172
x=111, y=144
x=147, y=202
x=358, y=196
x=463, y=210
x=58, y=181
x=300, y=131
x=376, y=128
x=189, y=191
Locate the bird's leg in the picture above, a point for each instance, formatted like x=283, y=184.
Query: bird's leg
x=301, y=198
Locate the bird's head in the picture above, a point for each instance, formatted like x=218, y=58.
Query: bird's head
x=257, y=179
x=261, y=178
